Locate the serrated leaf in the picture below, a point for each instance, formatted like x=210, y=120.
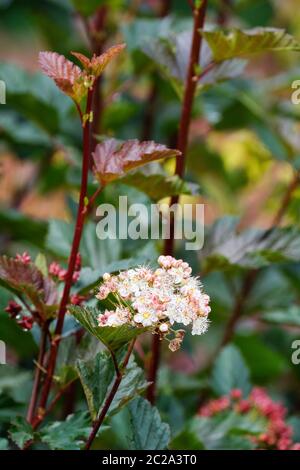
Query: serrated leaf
x=113, y=159
x=238, y=43
x=133, y=383
x=228, y=248
x=70, y=434
x=114, y=338
x=97, y=376
x=229, y=372
x=97, y=64
x=65, y=74
x=21, y=431
x=148, y=432
x=172, y=52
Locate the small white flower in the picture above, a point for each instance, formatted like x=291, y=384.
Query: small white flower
x=164, y=327
x=200, y=326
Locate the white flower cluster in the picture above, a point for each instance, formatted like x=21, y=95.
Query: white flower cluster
x=157, y=299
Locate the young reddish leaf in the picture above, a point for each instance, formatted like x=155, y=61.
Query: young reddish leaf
x=85, y=61
x=18, y=274
x=113, y=159
x=97, y=64
x=66, y=75
x=27, y=279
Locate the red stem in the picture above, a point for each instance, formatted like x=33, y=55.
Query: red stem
x=72, y=261
x=110, y=397
x=184, y=125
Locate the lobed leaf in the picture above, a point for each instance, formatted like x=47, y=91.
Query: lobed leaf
x=114, y=338
x=237, y=43
x=113, y=159
x=70, y=434
x=97, y=376
x=21, y=431
x=97, y=64
x=228, y=248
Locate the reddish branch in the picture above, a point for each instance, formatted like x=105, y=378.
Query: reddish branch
x=71, y=266
x=184, y=125
x=95, y=32
x=251, y=276
x=111, y=395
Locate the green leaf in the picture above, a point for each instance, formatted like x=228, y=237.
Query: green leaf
x=148, y=432
x=65, y=371
x=264, y=362
x=238, y=43
x=228, y=248
x=289, y=317
x=20, y=227
x=69, y=434
x=133, y=383
x=22, y=132
x=114, y=338
x=171, y=53
x=157, y=185
x=3, y=444
x=35, y=97
x=230, y=371
x=94, y=252
x=97, y=376
x=226, y=431
x=21, y=431
x=16, y=339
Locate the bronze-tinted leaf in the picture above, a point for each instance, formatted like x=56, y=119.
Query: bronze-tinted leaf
x=113, y=159
x=63, y=71
x=98, y=63
x=28, y=280
x=85, y=61
x=18, y=274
